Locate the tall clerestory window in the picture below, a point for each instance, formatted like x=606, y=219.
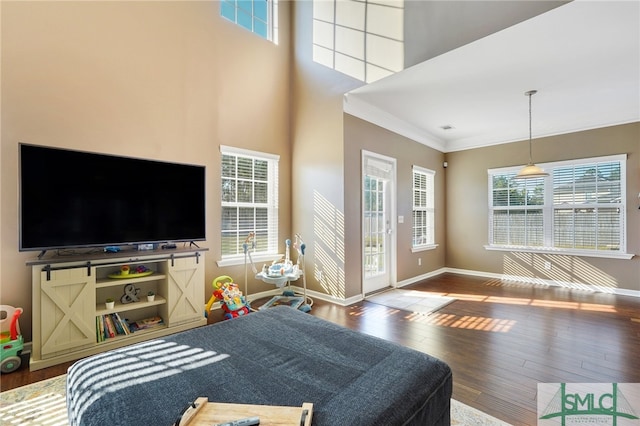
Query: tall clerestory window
x=363, y=39
x=258, y=16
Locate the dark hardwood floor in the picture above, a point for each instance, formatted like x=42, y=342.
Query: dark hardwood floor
x=500, y=339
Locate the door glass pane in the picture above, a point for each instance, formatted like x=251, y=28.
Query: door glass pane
x=375, y=226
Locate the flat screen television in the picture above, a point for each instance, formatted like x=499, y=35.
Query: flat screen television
x=73, y=199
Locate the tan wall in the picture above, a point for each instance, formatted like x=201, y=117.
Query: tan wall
x=361, y=135
x=161, y=80
x=172, y=81
x=318, y=160
x=323, y=162
x=467, y=208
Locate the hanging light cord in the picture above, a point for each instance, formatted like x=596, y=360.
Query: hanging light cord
x=530, y=94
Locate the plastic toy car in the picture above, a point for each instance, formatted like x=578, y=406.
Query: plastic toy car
x=11, y=340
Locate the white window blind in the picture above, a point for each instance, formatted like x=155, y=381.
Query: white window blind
x=423, y=207
x=579, y=208
x=587, y=206
x=249, y=201
x=517, y=211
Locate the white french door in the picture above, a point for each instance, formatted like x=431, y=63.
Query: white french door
x=378, y=226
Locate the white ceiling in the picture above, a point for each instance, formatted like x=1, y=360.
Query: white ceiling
x=583, y=58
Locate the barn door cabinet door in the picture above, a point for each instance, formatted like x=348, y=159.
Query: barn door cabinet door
x=67, y=310
x=185, y=289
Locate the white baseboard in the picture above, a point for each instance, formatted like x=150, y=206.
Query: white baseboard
x=418, y=278
x=327, y=297
x=594, y=288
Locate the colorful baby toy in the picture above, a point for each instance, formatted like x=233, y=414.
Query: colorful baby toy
x=10, y=338
x=227, y=292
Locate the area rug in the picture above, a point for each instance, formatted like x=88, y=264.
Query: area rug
x=43, y=403
x=410, y=300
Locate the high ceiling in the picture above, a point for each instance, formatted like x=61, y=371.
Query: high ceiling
x=583, y=58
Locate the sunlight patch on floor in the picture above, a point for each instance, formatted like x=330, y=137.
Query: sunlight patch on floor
x=595, y=307
x=469, y=322
x=497, y=325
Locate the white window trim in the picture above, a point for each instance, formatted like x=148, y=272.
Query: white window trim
x=239, y=259
x=425, y=247
x=224, y=149
x=621, y=254
x=432, y=244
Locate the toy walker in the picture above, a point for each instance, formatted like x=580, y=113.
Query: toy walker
x=11, y=340
x=227, y=292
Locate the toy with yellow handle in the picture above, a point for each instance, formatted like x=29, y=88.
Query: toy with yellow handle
x=11, y=341
x=217, y=293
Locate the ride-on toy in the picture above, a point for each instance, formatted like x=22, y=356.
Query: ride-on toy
x=11, y=340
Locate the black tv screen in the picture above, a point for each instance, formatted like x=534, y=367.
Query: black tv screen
x=74, y=199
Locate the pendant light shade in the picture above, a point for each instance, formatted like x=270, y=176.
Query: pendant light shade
x=530, y=170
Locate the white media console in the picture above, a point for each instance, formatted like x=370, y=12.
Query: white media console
x=69, y=294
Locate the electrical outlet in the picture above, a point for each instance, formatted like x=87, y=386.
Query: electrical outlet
x=419, y=261
x=547, y=265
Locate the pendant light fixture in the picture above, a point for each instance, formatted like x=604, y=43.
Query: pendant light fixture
x=530, y=170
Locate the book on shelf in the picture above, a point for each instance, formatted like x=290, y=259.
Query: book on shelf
x=99, y=329
x=123, y=324
x=146, y=323
x=117, y=325
x=111, y=325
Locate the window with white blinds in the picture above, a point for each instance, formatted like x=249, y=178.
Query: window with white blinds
x=588, y=210
x=579, y=208
x=517, y=210
x=423, y=207
x=249, y=201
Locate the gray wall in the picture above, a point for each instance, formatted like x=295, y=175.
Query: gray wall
x=435, y=27
x=363, y=135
